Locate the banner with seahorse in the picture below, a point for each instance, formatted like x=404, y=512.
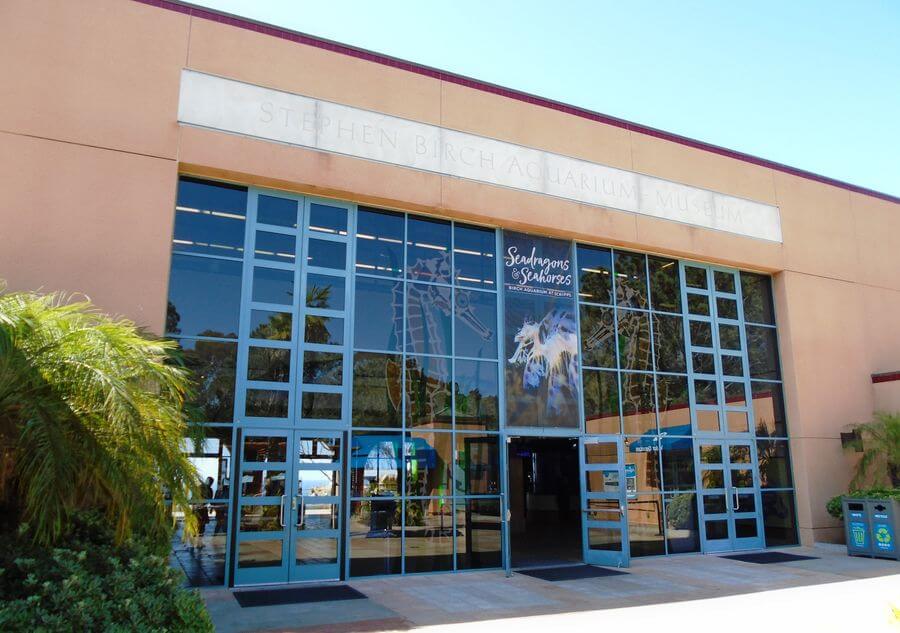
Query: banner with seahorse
x=541, y=346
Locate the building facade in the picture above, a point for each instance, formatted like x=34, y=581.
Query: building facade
x=437, y=325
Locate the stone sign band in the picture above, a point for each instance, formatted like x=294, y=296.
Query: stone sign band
x=241, y=108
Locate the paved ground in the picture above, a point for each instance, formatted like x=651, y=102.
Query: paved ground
x=696, y=593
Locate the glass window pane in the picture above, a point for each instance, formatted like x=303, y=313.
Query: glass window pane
x=678, y=463
x=682, y=525
x=707, y=420
x=476, y=387
x=757, y=294
x=701, y=333
x=595, y=274
x=375, y=537
x=204, y=297
x=379, y=314
x=318, y=450
x=379, y=242
x=645, y=526
x=212, y=365
x=276, y=211
x=326, y=254
x=428, y=250
x=779, y=518
x=665, y=285
x=321, y=406
x=698, y=304
x=724, y=281
x=643, y=454
x=473, y=256
x=319, y=483
x=315, y=551
x=272, y=285
x=477, y=469
x=598, y=337
x=324, y=218
x=716, y=530
x=265, y=448
x=596, y=452
x=726, y=308
x=211, y=456
x=376, y=463
x=703, y=363
x=712, y=479
x=428, y=326
x=324, y=330
x=212, y=523
x=762, y=350
x=605, y=539
x=269, y=364
x=273, y=326
x=745, y=528
x=631, y=280
x=738, y=422
x=325, y=291
x=634, y=340
x=376, y=389
x=638, y=407
x=714, y=504
x=774, y=464
x=476, y=323
x=275, y=247
x=674, y=404
x=729, y=337
x=266, y=403
x=428, y=461
x=739, y=454
x=429, y=535
x=252, y=554
x=258, y=518
x=695, y=277
x=705, y=392
x=732, y=365
x=209, y=218
x=323, y=368
x=742, y=478
x=710, y=454
x=601, y=402
x=478, y=534
x=768, y=409
x=428, y=401
x=735, y=394
x=668, y=341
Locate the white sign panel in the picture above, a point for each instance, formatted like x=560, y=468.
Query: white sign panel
x=241, y=108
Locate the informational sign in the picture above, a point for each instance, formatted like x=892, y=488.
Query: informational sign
x=541, y=360
x=882, y=532
x=858, y=536
x=631, y=480
x=241, y=108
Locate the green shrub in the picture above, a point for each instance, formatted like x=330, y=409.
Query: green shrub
x=836, y=510
x=89, y=583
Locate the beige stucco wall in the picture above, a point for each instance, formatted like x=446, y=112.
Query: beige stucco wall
x=90, y=149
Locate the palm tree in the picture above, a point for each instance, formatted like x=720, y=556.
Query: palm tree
x=91, y=417
x=880, y=462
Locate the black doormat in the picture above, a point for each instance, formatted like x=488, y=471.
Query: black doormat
x=766, y=558
x=296, y=595
x=570, y=572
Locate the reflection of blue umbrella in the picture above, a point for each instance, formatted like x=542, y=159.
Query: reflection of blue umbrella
x=648, y=440
x=381, y=451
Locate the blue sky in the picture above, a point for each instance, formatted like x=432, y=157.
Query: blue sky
x=814, y=84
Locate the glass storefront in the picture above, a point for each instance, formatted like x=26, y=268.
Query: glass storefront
x=416, y=344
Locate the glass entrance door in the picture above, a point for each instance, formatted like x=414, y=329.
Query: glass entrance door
x=604, y=528
x=289, y=507
x=729, y=495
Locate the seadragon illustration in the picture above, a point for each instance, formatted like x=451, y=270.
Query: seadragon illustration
x=423, y=329
x=548, y=350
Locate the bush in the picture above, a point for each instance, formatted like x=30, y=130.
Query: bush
x=89, y=583
x=836, y=510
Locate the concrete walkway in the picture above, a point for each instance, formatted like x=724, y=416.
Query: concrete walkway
x=692, y=592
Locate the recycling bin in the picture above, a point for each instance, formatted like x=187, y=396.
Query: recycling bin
x=871, y=527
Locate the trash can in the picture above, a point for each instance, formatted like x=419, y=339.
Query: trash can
x=871, y=527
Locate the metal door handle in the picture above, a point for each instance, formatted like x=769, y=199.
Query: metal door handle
x=737, y=499
x=281, y=511
x=300, y=518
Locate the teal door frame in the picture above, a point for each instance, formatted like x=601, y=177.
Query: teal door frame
x=604, y=525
